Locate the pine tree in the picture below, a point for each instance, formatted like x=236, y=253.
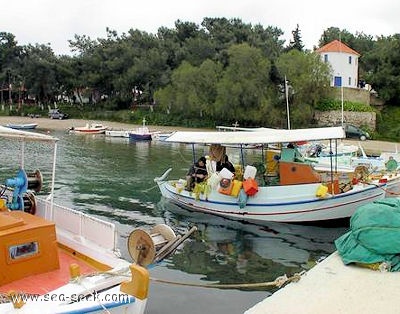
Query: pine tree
x=296, y=43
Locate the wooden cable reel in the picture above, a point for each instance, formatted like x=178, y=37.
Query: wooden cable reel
x=29, y=203
x=35, y=181
x=144, y=247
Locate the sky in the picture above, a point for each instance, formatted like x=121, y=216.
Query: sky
x=55, y=22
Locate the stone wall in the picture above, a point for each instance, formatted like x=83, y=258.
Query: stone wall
x=329, y=118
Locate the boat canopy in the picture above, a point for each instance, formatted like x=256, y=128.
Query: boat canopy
x=268, y=136
x=234, y=128
x=25, y=135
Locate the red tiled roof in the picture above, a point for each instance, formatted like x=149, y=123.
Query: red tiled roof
x=337, y=46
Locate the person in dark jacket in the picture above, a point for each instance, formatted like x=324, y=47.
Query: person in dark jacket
x=197, y=173
x=225, y=163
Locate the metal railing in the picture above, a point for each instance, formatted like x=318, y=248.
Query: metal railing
x=90, y=228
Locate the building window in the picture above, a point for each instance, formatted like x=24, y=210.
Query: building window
x=349, y=59
x=337, y=81
x=349, y=81
x=326, y=58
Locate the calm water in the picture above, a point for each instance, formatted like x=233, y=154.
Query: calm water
x=113, y=179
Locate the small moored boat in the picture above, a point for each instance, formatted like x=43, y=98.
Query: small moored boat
x=93, y=128
x=161, y=136
x=22, y=126
x=141, y=133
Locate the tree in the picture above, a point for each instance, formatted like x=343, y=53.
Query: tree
x=384, y=71
x=335, y=33
x=296, y=43
x=10, y=59
x=82, y=44
x=309, y=78
x=192, y=90
x=39, y=72
x=243, y=91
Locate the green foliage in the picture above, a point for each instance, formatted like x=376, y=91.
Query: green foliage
x=192, y=90
x=220, y=71
x=335, y=33
x=388, y=124
x=243, y=87
x=384, y=70
x=308, y=76
x=307, y=82
x=296, y=43
x=334, y=104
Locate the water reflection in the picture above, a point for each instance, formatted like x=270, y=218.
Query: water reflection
x=229, y=251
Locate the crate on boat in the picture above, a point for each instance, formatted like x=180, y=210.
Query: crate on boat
x=29, y=245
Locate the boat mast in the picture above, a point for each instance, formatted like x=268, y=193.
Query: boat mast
x=341, y=85
x=287, y=103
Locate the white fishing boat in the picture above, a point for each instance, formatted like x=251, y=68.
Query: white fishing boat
x=386, y=156
x=383, y=167
x=58, y=260
x=298, y=193
x=90, y=128
x=347, y=157
x=159, y=136
x=322, y=150
x=117, y=133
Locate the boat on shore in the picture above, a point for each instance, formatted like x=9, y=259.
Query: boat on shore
x=22, y=126
x=287, y=190
x=54, y=260
x=90, y=128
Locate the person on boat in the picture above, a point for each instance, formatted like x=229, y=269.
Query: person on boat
x=297, y=156
x=197, y=173
x=225, y=163
x=391, y=164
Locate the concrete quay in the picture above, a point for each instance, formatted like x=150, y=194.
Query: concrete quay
x=332, y=287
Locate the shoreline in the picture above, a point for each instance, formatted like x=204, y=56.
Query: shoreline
x=46, y=124
x=65, y=124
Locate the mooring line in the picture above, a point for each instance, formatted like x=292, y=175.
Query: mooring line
x=278, y=282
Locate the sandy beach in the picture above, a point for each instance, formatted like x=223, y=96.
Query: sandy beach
x=371, y=147
x=55, y=124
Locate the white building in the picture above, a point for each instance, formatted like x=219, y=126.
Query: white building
x=343, y=61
